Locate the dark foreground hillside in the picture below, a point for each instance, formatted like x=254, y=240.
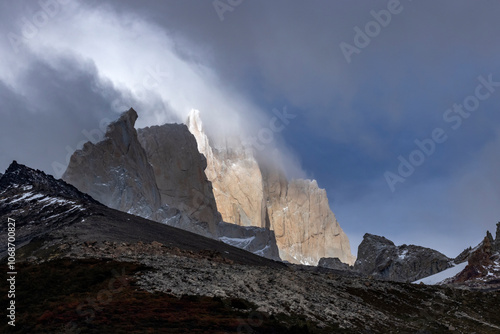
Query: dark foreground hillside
x=156, y=293
x=84, y=268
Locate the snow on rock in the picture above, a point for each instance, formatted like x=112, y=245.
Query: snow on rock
x=441, y=276
x=238, y=242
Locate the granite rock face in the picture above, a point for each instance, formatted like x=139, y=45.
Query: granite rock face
x=381, y=258
x=179, y=171
x=250, y=194
x=306, y=228
x=158, y=173
x=235, y=175
x=116, y=171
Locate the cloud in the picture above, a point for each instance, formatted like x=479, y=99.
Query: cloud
x=43, y=122
x=161, y=76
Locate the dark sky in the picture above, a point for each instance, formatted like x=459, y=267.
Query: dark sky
x=366, y=81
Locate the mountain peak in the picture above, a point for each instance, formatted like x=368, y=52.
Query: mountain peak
x=129, y=116
x=21, y=176
x=194, y=122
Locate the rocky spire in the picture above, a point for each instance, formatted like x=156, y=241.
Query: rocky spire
x=249, y=194
x=116, y=171
x=179, y=170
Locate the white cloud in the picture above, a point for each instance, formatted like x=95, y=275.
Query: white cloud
x=162, y=77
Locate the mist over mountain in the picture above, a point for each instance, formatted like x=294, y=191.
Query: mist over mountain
x=250, y=166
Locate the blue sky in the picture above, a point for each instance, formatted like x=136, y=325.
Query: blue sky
x=68, y=67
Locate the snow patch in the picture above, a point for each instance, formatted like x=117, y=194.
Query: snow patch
x=237, y=242
x=441, y=276
x=403, y=255
x=28, y=197
x=262, y=252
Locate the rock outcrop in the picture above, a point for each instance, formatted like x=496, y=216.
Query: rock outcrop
x=235, y=175
x=250, y=194
x=157, y=173
x=306, y=228
x=333, y=263
x=179, y=171
x=483, y=265
x=381, y=258
x=478, y=263
x=116, y=171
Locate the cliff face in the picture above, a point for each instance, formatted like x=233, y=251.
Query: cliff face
x=381, y=258
x=235, y=175
x=179, y=171
x=158, y=173
x=249, y=194
x=306, y=229
x=116, y=171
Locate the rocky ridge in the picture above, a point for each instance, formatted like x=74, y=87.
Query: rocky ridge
x=483, y=265
x=379, y=257
x=50, y=213
x=333, y=263
x=156, y=173
x=248, y=193
x=116, y=172
x=38, y=203
x=178, y=168
x=334, y=301
x=61, y=235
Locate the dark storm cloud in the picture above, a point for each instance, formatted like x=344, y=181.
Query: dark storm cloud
x=58, y=108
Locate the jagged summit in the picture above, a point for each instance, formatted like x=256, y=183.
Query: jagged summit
x=18, y=175
x=116, y=171
x=56, y=219
x=38, y=203
x=158, y=173
x=252, y=192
